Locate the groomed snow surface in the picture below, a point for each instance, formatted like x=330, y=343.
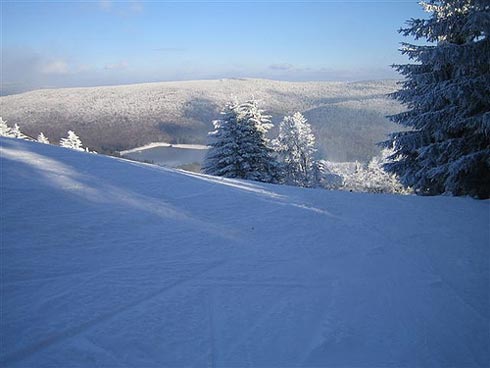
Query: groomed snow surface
x=110, y=263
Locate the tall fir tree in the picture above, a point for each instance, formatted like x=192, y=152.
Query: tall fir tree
x=240, y=148
x=447, y=95
x=296, y=147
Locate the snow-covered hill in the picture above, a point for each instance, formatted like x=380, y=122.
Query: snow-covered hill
x=111, y=263
x=347, y=118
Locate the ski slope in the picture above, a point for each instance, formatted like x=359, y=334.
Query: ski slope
x=110, y=263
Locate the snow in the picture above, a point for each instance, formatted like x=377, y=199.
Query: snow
x=169, y=155
x=163, y=144
x=111, y=263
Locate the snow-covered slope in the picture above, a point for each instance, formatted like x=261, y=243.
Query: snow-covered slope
x=347, y=118
x=112, y=263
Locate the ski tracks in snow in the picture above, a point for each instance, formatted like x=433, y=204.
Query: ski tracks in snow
x=68, y=333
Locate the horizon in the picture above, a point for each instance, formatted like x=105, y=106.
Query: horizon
x=63, y=44
x=129, y=84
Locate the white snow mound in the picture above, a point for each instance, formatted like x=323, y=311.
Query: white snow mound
x=111, y=263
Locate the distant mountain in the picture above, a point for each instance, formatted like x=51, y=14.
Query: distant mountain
x=347, y=118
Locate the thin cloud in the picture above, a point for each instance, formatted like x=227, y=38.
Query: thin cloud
x=26, y=69
x=292, y=72
x=282, y=66
x=55, y=67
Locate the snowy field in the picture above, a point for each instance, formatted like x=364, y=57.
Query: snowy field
x=110, y=263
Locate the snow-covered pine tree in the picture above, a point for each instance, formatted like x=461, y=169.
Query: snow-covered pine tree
x=296, y=147
x=41, y=138
x=376, y=179
x=72, y=141
x=5, y=130
x=324, y=178
x=17, y=133
x=447, y=94
x=240, y=148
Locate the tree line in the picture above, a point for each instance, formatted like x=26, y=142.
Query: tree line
x=241, y=149
x=71, y=141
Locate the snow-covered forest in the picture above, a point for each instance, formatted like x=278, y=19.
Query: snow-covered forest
x=348, y=119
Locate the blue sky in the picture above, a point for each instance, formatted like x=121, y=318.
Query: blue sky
x=82, y=43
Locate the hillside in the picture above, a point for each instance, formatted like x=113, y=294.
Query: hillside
x=112, y=263
x=347, y=118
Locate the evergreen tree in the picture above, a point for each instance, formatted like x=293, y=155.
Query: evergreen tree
x=240, y=148
x=324, y=178
x=16, y=133
x=72, y=141
x=296, y=146
x=5, y=130
x=41, y=138
x=447, y=94
x=376, y=179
